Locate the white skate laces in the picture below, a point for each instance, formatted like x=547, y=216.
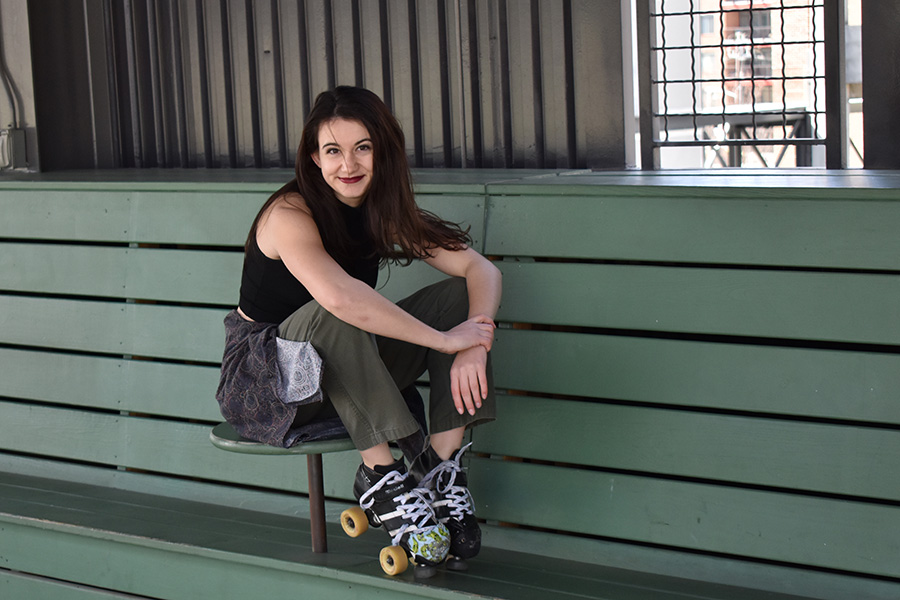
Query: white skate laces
x=413, y=508
x=455, y=498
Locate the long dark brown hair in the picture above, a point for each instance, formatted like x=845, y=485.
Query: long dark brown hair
x=400, y=230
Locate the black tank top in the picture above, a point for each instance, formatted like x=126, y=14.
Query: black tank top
x=270, y=293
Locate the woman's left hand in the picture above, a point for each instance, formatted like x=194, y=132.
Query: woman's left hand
x=468, y=379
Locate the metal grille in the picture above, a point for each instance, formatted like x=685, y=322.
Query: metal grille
x=741, y=81
x=228, y=83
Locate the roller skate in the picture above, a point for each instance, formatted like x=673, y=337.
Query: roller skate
x=452, y=503
x=388, y=497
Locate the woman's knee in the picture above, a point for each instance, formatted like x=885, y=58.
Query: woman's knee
x=311, y=322
x=457, y=295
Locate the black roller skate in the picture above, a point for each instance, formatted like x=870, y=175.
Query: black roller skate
x=389, y=497
x=452, y=503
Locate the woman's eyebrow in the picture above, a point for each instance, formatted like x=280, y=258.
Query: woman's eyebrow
x=326, y=144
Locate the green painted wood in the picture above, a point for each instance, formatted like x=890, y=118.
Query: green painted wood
x=212, y=218
x=202, y=218
x=65, y=214
x=185, y=275
x=397, y=282
x=159, y=446
x=148, y=330
x=154, y=388
x=18, y=586
x=472, y=180
x=224, y=219
x=758, y=183
x=858, y=386
x=57, y=269
x=432, y=181
x=151, y=274
x=796, y=529
x=194, y=180
x=777, y=304
x=126, y=521
x=702, y=227
x=475, y=181
x=835, y=459
x=172, y=571
x=642, y=564
x=218, y=219
x=467, y=211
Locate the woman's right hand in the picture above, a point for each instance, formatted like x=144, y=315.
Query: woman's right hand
x=475, y=331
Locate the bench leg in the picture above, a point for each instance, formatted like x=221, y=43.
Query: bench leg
x=316, y=503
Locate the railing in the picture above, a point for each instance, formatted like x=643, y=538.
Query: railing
x=742, y=83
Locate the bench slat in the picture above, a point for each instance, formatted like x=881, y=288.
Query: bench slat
x=170, y=217
x=708, y=227
x=828, y=458
x=91, y=215
x=150, y=274
x=268, y=550
x=804, y=530
x=840, y=307
x=183, y=275
x=18, y=585
x=794, y=381
x=173, y=332
x=155, y=388
x=777, y=304
x=160, y=446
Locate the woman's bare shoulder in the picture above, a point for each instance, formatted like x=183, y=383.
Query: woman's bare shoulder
x=287, y=219
x=289, y=206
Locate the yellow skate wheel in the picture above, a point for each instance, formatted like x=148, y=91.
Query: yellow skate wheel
x=393, y=560
x=354, y=521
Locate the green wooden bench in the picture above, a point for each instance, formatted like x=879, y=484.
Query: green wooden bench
x=698, y=381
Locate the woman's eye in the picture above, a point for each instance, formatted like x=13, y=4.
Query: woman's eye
x=332, y=151
x=364, y=148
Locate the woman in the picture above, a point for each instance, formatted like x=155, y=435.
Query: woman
x=312, y=344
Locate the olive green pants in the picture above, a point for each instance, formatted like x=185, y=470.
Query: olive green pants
x=363, y=374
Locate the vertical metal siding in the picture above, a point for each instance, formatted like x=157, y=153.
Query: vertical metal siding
x=228, y=83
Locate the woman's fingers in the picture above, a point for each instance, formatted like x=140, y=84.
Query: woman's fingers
x=468, y=380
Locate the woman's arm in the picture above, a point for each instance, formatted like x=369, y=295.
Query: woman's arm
x=468, y=375
x=483, y=279
x=289, y=232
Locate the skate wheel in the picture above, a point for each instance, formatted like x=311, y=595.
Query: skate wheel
x=457, y=564
x=393, y=560
x=354, y=521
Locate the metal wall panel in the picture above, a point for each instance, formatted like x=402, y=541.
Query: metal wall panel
x=227, y=83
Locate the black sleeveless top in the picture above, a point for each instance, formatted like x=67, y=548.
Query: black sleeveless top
x=270, y=293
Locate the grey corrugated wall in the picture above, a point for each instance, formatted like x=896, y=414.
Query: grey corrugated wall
x=227, y=83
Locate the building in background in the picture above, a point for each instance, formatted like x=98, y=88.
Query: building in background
x=493, y=84
x=743, y=83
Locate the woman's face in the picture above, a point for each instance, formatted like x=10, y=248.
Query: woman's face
x=345, y=156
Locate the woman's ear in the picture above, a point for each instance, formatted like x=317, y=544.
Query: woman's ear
x=315, y=157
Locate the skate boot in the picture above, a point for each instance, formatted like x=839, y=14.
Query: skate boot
x=388, y=496
x=452, y=503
